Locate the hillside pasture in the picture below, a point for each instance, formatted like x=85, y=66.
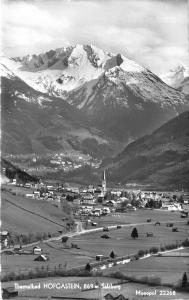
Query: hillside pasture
x=24, y=215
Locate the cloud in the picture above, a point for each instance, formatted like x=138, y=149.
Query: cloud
x=27, y=28
x=154, y=33
x=25, y=14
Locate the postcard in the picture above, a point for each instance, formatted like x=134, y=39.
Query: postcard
x=94, y=149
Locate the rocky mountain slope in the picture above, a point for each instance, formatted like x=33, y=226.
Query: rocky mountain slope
x=119, y=97
x=160, y=159
x=34, y=122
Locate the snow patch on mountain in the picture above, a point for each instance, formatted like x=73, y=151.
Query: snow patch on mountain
x=114, y=86
x=129, y=65
x=40, y=100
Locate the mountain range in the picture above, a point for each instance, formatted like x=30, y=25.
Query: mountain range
x=119, y=98
x=34, y=122
x=85, y=99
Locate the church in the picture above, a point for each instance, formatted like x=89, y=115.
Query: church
x=102, y=188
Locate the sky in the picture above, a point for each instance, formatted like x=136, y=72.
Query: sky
x=152, y=32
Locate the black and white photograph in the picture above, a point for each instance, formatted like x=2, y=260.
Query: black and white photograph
x=94, y=149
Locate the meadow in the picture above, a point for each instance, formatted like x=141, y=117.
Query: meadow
x=91, y=244
x=120, y=240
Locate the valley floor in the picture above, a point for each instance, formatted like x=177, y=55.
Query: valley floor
x=167, y=269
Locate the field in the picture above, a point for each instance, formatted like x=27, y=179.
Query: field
x=122, y=243
x=141, y=215
x=55, y=251
x=92, y=244
x=79, y=285
x=36, y=215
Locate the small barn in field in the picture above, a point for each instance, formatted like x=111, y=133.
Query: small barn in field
x=41, y=258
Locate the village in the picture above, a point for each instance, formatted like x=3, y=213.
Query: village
x=52, y=162
x=88, y=202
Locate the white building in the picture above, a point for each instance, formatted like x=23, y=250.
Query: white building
x=37, y=250
x=172, y=207
x=31, y=195
x=88, y=199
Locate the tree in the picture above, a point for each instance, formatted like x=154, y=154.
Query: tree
x=65, y=239
x=160, y=203
x=184, y=280
x=134, y=233
x=124, y=203
x=181, y=199
x=69, y=198
x=88, y=267
x=112, y=255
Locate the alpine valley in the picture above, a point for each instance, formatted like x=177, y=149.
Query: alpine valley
x=82, y=98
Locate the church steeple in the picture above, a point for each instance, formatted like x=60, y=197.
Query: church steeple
x=104, y=182
x=104, y=178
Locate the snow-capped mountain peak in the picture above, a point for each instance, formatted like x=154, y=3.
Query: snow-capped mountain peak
x=178, y=78
x=65, y=71
x=59, y=71
x=175, y=76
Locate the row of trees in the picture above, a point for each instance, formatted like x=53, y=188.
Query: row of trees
x=21, y=239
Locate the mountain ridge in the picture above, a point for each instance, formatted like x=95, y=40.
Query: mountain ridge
x=160, y=159
x=84, y=63
x=116, y=96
